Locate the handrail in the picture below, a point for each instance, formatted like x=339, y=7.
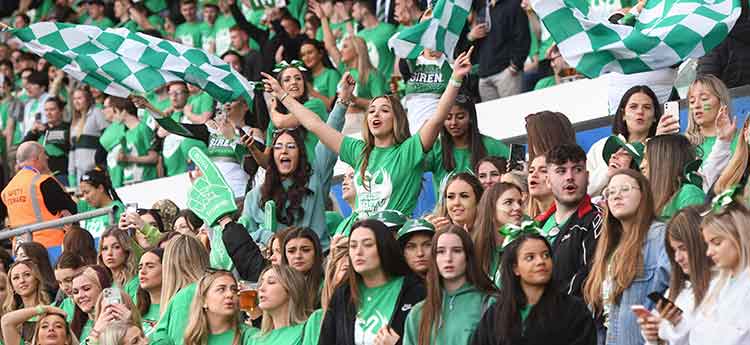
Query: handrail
x=56, y=223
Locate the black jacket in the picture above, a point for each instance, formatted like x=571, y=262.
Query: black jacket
x=338, y=322
x=730, y=60
x=508, y=40
x=572, y=325
x=574, y=247
x=245, y=254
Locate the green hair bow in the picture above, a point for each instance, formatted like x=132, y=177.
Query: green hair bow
x=723, y=199
x=511, y=231
x=284, y=65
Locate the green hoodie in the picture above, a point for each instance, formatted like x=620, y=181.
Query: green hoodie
x=171, y=327
x=461, y=312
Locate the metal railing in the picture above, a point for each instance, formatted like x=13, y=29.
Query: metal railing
x=57, y=223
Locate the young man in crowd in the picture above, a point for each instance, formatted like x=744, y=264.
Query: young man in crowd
x=573, y=223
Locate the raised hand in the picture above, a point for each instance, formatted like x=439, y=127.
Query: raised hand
x=211, y=198
x=462, y=65
x=272, y=85
x=726, y=125
x=346, y=87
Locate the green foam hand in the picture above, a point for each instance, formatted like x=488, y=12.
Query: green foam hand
x=210, y=198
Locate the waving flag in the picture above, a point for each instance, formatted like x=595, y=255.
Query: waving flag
x=119, y=62
x=440, y=33
x=666, y=33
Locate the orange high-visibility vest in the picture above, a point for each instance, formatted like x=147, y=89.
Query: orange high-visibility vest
x=23, y=198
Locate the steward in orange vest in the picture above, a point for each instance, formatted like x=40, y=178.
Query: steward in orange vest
x=33, y=196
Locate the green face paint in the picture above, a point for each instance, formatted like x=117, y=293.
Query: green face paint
x=707, y=106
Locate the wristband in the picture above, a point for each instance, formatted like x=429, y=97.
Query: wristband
x=281, y=99
x=455, y=83
x=343, y=102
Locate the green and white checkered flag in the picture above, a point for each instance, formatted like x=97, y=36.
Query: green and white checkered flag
x=119, y=62
x=440, y=33
x=666, y=33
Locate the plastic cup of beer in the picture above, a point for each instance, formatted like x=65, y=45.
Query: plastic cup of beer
x=248, y=296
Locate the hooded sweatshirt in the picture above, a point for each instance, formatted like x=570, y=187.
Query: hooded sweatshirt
x=461, y=312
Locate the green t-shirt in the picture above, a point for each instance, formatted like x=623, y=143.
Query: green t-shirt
x=380, y=54
x=708, y=144
x=221, y=33
x=545, y=83
x=327, y=82
x=220, y=146
x=208, y=35
x=226, y=338
x=290, y=335
x=375, y=309
x=86, y=330
x=104, y=23
x=428, y=76
x=131, y=287
x=175, y=153
x=345, y=226
x=97, y=225
x=394, y=174
x=139, y=140
x=69, y=307
x=339, y=27
x=113, y=140
x=374, y=87
x=316, y=106
x=155, y=6
x=172, y=324
x=688, y=195
x=201, y=103
x=548, y=229
x=312, y=328
x=189, y=34
x=462, y=159
x=333, y=219
x=150, y=319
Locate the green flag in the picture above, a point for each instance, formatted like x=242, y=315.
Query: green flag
x=119, y=62
x=440, y=33
x=665, y=33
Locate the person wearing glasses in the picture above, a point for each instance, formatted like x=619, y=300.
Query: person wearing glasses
x=460, y=146
x=297, y=184
x=630, y=261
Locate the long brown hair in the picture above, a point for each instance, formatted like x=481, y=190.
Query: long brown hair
x=400, y=134
x=485, y=231
x=79, y=241
x=314, y=276
x=620, y=249
x=546, y=130
x=128, y=271
x=339, y=253
x=430, y=320
x=667, y=156
x=685, y=227
x=288, y=202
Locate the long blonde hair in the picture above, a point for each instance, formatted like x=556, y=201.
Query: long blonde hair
x=78, y=121
x=197, y=327
x=717, y=88
x=400, y=133
x=737, y=166
x=124, y=275
x=115, y=332
x=10, y=303
x=619, y=250
x=730, y=223
x=363, y=64
x=294, y=284
x=69, y=338
x=185, y=260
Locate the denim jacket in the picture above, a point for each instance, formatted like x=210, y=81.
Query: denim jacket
x=623, y=324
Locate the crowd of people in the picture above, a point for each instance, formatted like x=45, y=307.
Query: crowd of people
x=639, y=240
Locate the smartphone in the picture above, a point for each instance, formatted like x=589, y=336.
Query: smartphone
x=672, y=109
x=131, y=207
x=640, y=311
x=38, y=117
x=111, y=295
x=483, y=17
x=657, y=297
x=517, y=157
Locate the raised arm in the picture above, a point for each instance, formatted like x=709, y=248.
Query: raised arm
x=329, y=40
x=11, y=321
x=430, y=130
x=327, y=135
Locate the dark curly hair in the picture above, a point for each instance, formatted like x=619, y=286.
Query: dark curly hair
x=272, y=188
